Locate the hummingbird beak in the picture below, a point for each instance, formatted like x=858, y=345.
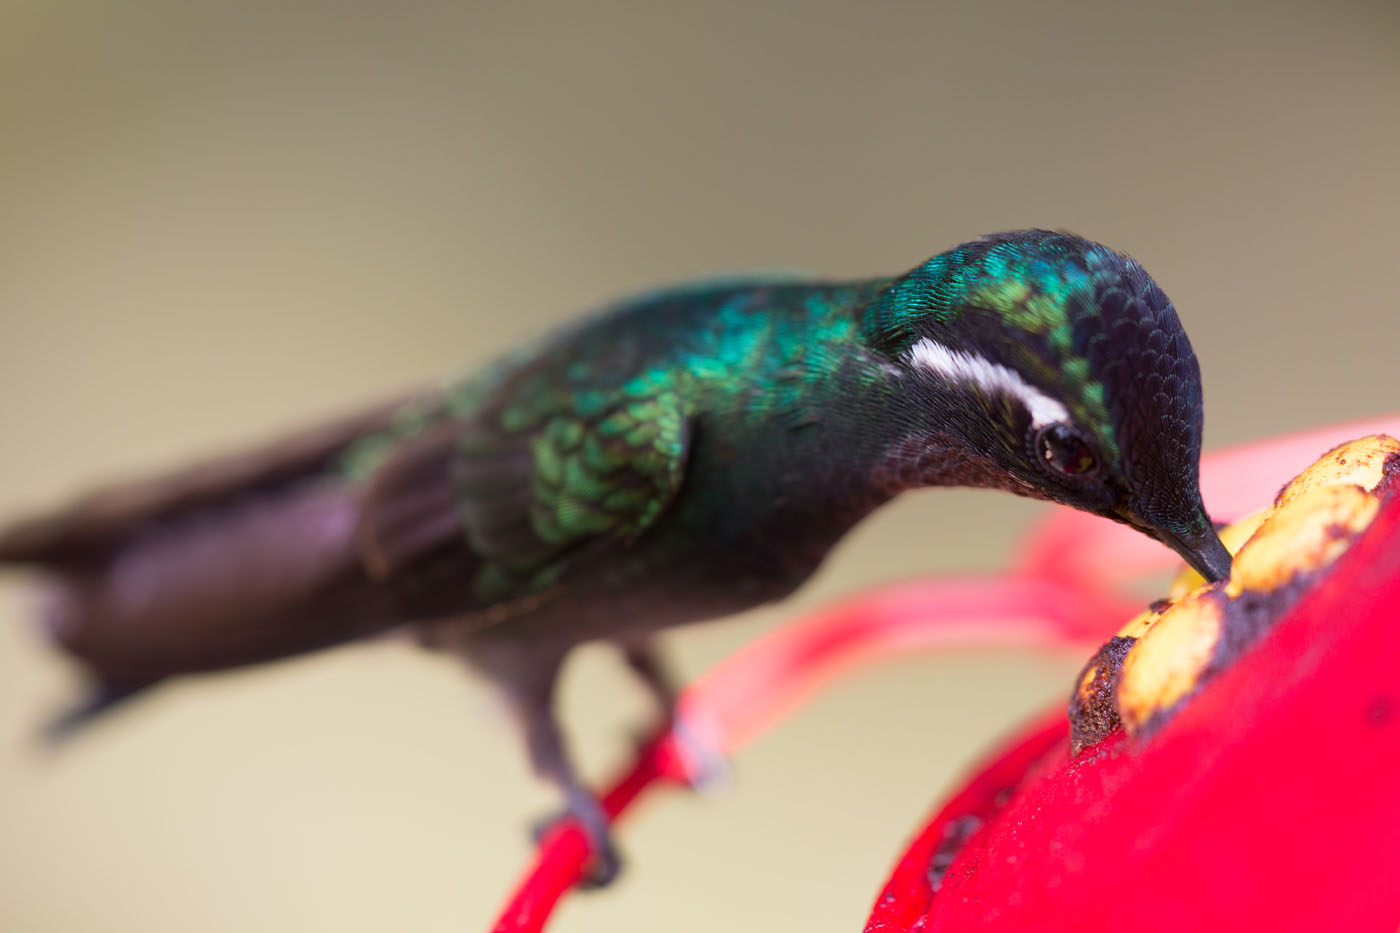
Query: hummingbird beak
x=1203, y=551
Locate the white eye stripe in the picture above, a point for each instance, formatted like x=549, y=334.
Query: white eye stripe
x=992, y=378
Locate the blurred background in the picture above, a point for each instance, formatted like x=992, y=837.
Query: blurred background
x=222, y=219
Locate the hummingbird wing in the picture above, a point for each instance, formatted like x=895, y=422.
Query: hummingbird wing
x=519, y=504
x=279, y=550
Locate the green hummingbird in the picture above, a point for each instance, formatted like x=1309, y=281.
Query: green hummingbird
x=677, y=457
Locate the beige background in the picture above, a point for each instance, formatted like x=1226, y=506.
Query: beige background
x=222, y=218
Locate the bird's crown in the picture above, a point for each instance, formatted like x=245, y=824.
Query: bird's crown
x=1070, y=351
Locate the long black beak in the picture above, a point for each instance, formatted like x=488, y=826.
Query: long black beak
x=1204, y=552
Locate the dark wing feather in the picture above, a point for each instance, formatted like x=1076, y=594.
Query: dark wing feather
x=514, y=505
x=442, y=512
x=408, y=510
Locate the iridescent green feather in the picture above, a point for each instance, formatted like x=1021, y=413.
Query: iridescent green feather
x=1036, y=286
x=608, y=474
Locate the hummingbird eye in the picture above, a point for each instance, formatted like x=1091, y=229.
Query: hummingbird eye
x=1065, y=451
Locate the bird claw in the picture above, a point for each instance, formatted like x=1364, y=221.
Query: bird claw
x=604, y=863
x=602, y=869
x=703, y=767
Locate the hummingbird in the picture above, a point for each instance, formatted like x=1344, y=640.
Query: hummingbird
x=676, y=457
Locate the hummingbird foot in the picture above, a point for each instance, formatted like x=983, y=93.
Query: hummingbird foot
x=645, y=662
x=704, y=766
x=530, y=692
x=605, y=864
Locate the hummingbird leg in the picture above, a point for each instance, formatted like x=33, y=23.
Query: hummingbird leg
x=706, y=766
x=531, y=697
x=644, y=660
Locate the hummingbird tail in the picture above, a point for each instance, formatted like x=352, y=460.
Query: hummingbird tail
x=101, y=700
x=233, y=561
x=225, y=585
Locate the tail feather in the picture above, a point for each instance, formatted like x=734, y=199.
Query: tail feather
x=101, y=701
x=245, y=559
x=247, y=581
x=100, y=522
x=235, y=560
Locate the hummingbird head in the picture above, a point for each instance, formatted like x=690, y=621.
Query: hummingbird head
x=1056, y=368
